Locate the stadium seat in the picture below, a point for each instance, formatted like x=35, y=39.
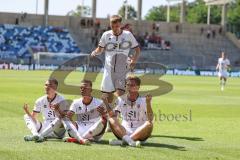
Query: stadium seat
x=16, y=40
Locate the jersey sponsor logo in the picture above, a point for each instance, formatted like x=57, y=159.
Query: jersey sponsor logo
x=51, y=113
x=85, y=117
x=124, y=45
x=132, y=114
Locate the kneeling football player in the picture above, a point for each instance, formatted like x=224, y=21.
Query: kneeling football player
x=91, y=117
x=52, y=106
x=136, y=113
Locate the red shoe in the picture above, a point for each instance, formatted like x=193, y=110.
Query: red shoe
x=84, y=142
x=70, y=140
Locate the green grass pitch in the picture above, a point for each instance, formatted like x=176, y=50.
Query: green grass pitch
x=211, y=134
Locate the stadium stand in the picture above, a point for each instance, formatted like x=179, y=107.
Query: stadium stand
x=190, y=50
x=15, y=41
x=190, y=45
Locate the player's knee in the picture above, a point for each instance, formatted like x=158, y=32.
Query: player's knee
x=57, y=121
x=149, y=124
x=66, y=119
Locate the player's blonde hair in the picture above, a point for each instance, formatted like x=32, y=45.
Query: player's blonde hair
x=115, y=19
x=87, y=81
x=134, y=78
x=53, y=80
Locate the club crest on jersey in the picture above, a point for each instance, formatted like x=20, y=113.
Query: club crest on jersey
x=45, y=106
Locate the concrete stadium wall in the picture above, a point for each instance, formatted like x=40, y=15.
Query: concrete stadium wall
x=139, y=27
x=232, y=37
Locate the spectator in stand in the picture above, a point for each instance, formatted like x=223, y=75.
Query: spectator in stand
x=220, y=30
x=157, y=27
x=213, y=33
x=17, y=21
x=83, y=23
x=153, y=26
x=91, y=22
x=208, y=33
x=177, y=28
x=88, y=23
x=98, y=23
x=146, y=37
x=127, y=27
x=168, y=45
x=140, y=40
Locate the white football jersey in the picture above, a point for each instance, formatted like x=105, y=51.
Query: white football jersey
x=133, y=114
x=223, y=64
x=117, y=48
x=86, y=114
x=42, y=105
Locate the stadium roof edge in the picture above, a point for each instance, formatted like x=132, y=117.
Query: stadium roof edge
x=217, y=2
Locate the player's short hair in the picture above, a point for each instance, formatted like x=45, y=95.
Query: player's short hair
x=53, y=80
x=87, y=81
x=134, y=78
x=115, y=19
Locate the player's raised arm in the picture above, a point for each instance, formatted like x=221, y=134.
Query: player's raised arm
x=99, y=50
x=70, y=114
x=102, y=111
x=149, y=107
x=137, y=49
x=135, y=57
x=33, y=115
x=56, y=107
x=108, y=107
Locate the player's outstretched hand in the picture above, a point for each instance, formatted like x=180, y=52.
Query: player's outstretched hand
x=105, y=99
x=93, y=54
x=148, y=98
x=54, y=106
x=26, y=108
x=132, y=65
x=109, y=109
x=101, y=110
